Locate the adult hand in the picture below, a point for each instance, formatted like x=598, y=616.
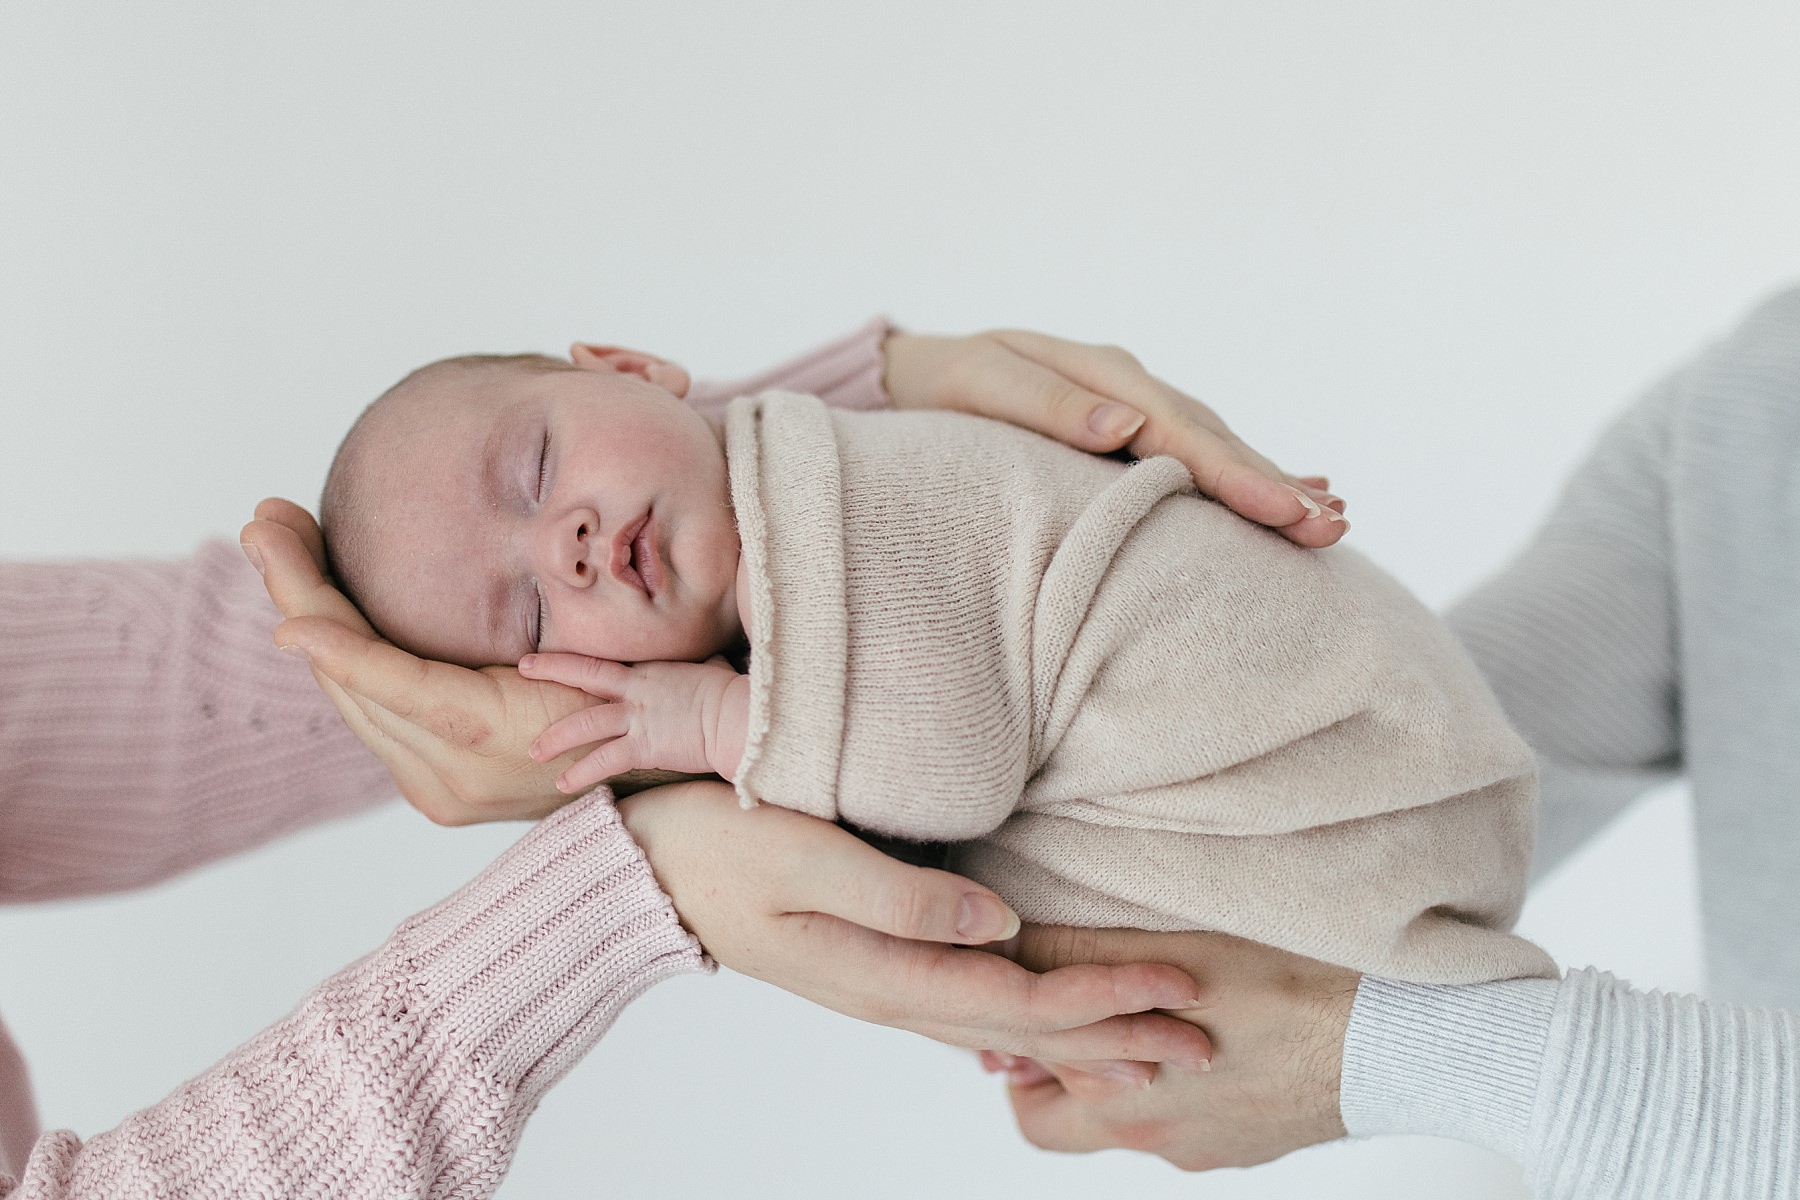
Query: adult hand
x=1276, y=1021
x=456, y=741
x=1100, y=398
x=803, y=904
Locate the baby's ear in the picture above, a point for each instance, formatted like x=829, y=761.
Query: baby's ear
x=671, y=377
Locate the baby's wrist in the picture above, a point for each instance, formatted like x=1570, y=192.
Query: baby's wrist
x=731, y=728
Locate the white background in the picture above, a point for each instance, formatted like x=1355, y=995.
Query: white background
x=1427, y=248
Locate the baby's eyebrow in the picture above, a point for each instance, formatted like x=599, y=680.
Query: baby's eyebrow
x=488, y=482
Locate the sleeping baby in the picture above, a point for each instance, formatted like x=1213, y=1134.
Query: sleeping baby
x=1126, y=705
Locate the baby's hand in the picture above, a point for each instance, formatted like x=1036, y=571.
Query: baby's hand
x=672, y=716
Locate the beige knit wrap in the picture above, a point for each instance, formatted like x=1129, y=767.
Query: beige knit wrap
x=1137, y=708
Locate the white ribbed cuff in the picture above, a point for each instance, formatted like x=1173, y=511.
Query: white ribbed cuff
x=1449, y=1061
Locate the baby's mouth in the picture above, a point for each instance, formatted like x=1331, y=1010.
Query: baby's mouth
x=634, y=556
x=644, y=562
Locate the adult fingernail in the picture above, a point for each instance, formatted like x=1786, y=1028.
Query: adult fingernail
x=982, y=918
x=1129, y=1076
x=1307, y=502
x=526, y=663
x=253, y=554
x=1114, y=421
x=1206, y=1064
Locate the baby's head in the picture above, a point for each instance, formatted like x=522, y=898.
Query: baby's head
x=488, y=506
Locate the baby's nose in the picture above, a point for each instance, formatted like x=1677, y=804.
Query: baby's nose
x=571, y=552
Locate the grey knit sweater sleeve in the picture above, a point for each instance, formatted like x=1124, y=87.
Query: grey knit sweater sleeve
x=1649, y=628
x=1576, y=636
x=1598, y=1090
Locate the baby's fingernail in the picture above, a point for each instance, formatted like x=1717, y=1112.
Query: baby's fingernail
x=1307, y=502
x=1114, y=421
x=1332, y=514
x=253, y=554
x=528, y=662
x=982, y=918
x=293, y=648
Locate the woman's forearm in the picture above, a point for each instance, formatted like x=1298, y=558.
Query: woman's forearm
x=845, y=373
x=1599, y=1090
x=148, y=724
x=412, y=1071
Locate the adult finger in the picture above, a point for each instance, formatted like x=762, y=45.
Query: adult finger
x=293, y=577
x=378, y=671
x=291, y=516
x=1029, y=394
x=1050, y=1119
x=855, y=882
x=973, y=999
x=1096, y=1081
x=1223, y=466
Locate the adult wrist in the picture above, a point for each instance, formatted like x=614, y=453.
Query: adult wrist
x=1458, y=1061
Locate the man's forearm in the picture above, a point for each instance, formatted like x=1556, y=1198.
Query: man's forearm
x=1638, y=1094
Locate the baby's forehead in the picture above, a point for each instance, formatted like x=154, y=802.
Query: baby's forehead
x=464, y=404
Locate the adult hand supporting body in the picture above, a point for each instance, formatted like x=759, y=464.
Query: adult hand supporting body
x=1276, y=1021
x=457, y=741
x=777, y=895
x=1101, y=399
x=800, y=903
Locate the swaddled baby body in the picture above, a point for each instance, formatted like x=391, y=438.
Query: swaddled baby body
x=1128, y=705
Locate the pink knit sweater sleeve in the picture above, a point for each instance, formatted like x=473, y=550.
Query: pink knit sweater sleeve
x=148, y=724
x=845, y=374
x=412, y=1071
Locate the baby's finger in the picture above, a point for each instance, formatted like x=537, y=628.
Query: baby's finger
x=596, y=676
x=592, y=769
x=595, y=723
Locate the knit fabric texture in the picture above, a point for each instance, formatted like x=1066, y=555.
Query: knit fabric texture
x=1143, y=710
x=412, y=1071
x=1649, y=629
x=148, y=725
